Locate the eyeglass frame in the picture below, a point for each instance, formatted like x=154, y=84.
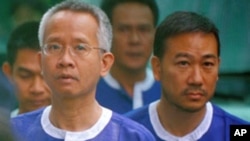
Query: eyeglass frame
x=62, y=49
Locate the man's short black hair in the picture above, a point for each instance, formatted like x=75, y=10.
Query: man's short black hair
x=24, y=36
x=182, y=22
x=108, y=6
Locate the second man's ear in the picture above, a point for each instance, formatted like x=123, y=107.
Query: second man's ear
x=106, y=62
x=7, y=70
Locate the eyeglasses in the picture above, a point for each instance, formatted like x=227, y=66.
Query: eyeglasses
x=78, y=50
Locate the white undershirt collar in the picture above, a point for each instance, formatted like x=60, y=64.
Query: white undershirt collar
x=75, y=136
x=14, y=113
x=165, y=135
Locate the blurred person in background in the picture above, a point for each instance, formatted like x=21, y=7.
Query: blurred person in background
x=130, y=83
x=23, y=69
x=16, y=13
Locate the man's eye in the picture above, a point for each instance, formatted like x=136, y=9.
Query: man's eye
x=81, y=47
x=54, y=47
x=25, y=75
x=182, y=63
x=123, y=29
x=144, y=29
x=208, y=64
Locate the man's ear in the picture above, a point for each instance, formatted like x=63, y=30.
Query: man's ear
x=156, y=67
x=106, y=63
x=7, y=70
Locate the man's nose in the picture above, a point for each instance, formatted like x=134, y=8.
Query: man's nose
x=66, y=58
x=196, y=76
x=37, y=87
x=134, y=36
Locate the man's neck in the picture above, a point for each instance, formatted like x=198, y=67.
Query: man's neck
x=128, y=78
x=178, y=122
x=75, y=115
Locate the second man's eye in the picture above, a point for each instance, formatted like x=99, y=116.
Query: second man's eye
x=208, y=64
x=182, y=63
x=25, y=75
x=81, y=47
x=123, y=29
x=54, y=47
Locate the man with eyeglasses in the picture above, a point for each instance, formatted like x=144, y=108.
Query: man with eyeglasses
x=75, y=39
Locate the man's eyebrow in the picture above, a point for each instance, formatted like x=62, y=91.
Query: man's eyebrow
x=123, y=25
x=53, y=39
x=207, y=56
x=186, y=55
